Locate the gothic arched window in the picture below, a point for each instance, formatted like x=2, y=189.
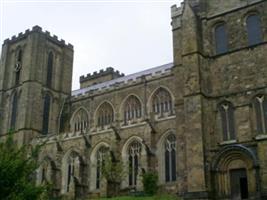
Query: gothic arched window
x=46, y=111
x=134, y=153
x=132, y=109
x=260, y=106
x=80, y=121
x=14, y=111
x=49, y=69
x=226, y=110
x=101, y=156
x=162, y=102
x=74, y=168
x=18, y=66
x=221, y=41
x=105, y=115
x=170, y=158
x=254, y=29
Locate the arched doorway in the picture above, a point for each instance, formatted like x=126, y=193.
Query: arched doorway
x=235, y=173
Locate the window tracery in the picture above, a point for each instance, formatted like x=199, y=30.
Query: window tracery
x=170, y=158
x=80, y=121
x=132, y=109
x=227, y=120
x=134, y=153
x=162, y=102
x=260, y=106
x=105, y=115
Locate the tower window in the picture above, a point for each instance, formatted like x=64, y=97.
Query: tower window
x=49, y=69
x=18, y=66
x=260, y=106
x=221, y=40
x=227, y=120
x=14, y=111
x=47, y=101
x=254, y=29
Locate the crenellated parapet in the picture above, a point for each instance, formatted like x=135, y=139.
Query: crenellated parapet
x=99, y=77
x=102, y=72
x=124, y=81
x=38, y=29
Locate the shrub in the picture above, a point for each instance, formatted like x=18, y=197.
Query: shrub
x=150, y=180
x=17, y=169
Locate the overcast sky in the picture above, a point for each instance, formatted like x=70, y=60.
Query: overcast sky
x=129, y=36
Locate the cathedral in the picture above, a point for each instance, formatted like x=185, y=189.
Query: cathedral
x=199, y=122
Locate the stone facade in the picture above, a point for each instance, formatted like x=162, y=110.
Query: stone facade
x=199, y=122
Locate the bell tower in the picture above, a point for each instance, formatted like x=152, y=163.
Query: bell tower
x=35, y=80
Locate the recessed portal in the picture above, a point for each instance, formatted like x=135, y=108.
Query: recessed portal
x=239, y=184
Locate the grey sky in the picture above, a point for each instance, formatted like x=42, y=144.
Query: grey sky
x=129, y=36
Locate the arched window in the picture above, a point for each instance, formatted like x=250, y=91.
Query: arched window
x=47, y=172
x=101, y=156
x=105, y=115
x=73, y=169
x=134, y=153
x=254, y=29
x=49, y=69
x=46, y=111
x=162, y=102
x=14, y=111
x=80, y=121
x=226, y=110
x=260, y=106
x=132, y=109
x=170, y=158
x=221, y=41
x=18, y=66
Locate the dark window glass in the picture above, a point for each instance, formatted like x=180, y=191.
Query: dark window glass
x=69, y=177
x=49, y=69
x=254, y=30
x=170, y=158
x=221, y=39
x=227, y=121
x=14, y=111
x=46, y=111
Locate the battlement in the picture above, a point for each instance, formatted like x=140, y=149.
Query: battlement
x=124, y=81
x=98, y=77
x=38, y=29
x=102, y=72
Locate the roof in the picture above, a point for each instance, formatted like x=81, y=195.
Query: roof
x=131, y=77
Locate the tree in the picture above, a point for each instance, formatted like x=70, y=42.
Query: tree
x=17, y=172
x=114, y=172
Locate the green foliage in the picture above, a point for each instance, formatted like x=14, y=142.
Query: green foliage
x=161, y=197
x=150, y=180
x=17, y=171
x=113, y=171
